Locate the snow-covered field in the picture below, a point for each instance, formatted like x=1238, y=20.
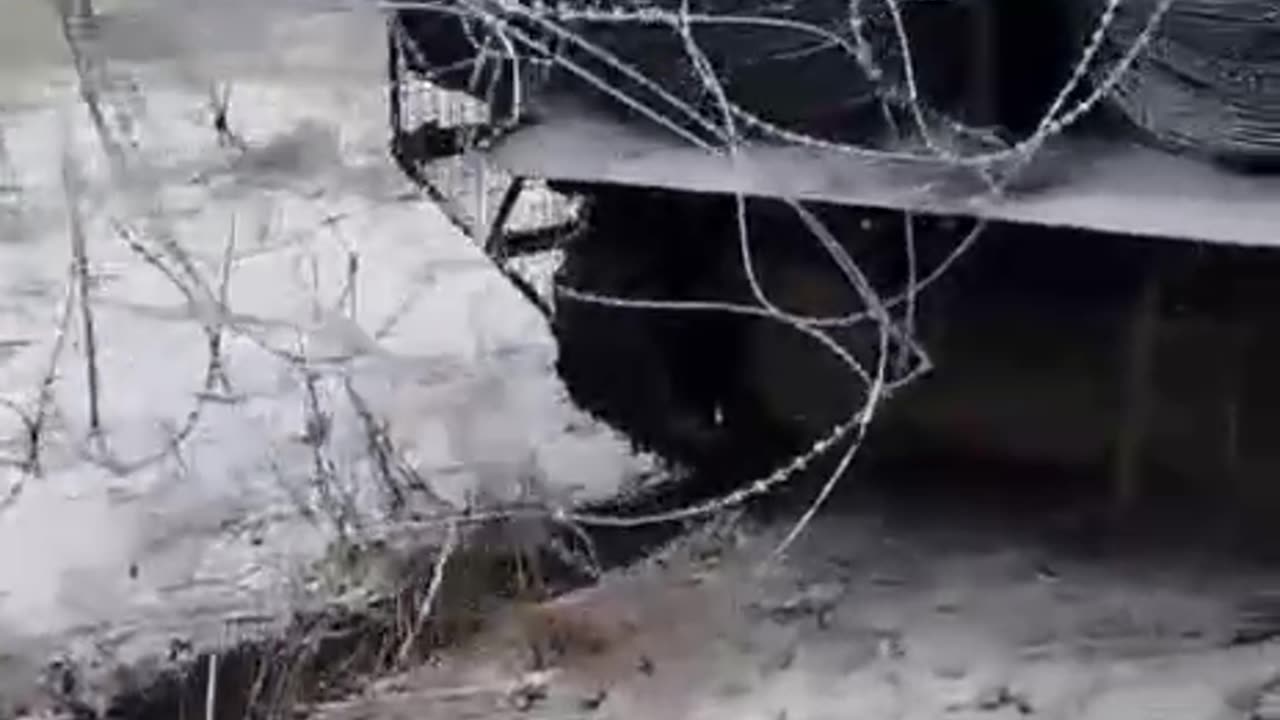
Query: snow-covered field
x=346, y=308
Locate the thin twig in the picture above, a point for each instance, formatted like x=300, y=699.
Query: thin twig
x=220, y=109
x=91, y=79
x=353, y=277
x=211, y=688
x=35, y=422
x=80, y=256
x=217, y=370
x=379, y=446
x=428, y=602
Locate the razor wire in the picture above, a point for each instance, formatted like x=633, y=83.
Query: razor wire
x=1211, y=84
x=560, y=20
x=547, y=30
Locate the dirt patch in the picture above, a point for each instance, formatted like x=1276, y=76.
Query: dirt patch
x=329, y=653
x=868, y=617
x=506, y=590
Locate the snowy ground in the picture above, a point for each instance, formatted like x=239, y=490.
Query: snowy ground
x=204, y=505
x=870, y=618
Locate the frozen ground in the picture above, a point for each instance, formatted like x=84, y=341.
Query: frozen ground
x=870, y=618
x=205, y=503
x=206, y=506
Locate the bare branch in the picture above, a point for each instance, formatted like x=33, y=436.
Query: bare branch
x=220, y=109
x=80, y=260
x=428, y=602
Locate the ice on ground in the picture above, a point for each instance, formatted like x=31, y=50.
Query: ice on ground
x=200, y=504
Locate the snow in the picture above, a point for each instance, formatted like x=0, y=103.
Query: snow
x=871, y=618
x=123, y=541
x=1072, y=183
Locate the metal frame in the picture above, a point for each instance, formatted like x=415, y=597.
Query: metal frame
x=414, y=148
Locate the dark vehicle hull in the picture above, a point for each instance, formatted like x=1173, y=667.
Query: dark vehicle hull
x=1114, y=317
